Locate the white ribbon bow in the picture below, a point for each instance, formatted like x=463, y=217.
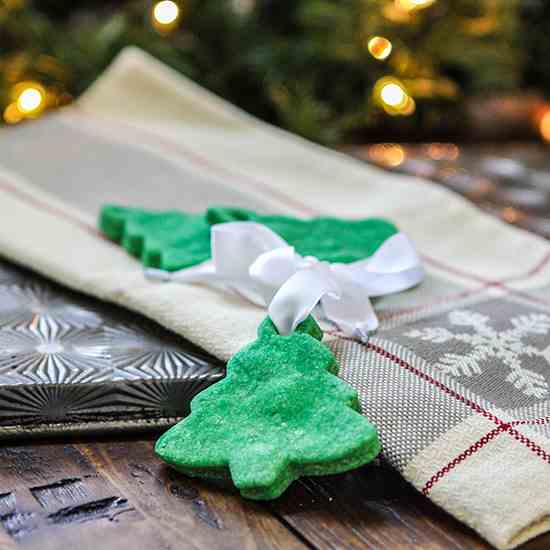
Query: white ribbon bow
x=256, y=263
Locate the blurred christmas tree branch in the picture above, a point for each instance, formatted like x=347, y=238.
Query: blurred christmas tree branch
x=328, y=70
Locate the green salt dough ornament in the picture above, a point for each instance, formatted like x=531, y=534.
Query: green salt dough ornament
x=279, y=414
x=167, y=240
x=172, y=240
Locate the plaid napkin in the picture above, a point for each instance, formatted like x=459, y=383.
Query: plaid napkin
x=457, y=377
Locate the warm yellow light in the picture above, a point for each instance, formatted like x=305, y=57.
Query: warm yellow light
x=12, y=115
x=408, y=108
x=396, y=14
x=166, y=12
x=30, y=100
x=510, y=214
x=410, y=5
x=443, y=151
x=387, y=154
x=13, y=4
x=379, y=47
x=544, y=126
x=393, y=95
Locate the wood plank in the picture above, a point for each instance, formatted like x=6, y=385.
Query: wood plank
x=375, y=508
x=211, y=517
x=370, y=508
x=117, y=495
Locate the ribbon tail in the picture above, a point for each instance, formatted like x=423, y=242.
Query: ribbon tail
x=351, y=312
x=382, y=284
x=394, y=267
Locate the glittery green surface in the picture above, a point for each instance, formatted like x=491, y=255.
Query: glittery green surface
x=279, y=414
x=172, y=240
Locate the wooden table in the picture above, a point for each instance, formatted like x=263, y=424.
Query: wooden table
x=113, y=493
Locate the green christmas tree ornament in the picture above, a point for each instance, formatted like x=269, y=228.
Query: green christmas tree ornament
x=279, y=414
x=171, y=240
x=167, y=240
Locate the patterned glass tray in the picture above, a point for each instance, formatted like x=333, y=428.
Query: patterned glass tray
x=70, y=363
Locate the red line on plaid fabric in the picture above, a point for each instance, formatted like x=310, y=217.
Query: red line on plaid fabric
x=536, y=269
x=531, y=445
x=456, y=271
x=539, y=266
x=390, y=315
x=41, y=205
x=479, y=444
x=467, y=293
x=459, y=397
x=472, y=449
x=201, y=160
x=407, y=366
x=502, y=426
x=529, y=297
x=534, y=421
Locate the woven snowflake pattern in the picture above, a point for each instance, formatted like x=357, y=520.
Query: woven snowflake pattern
x=509, y=347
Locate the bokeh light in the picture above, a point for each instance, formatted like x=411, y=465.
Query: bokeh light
x=393, y=95
x=410, y=5
x=379, y=47
x=511, y=214
x=409, y=108
x=30, y=100
x=390, y=155
x=12, y=115
x=165, y=15
x=442, y=151
x=544, y=126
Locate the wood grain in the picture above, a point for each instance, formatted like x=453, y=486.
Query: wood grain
x=117, y=495
x=371, y=508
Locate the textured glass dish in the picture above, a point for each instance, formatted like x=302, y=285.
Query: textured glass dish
x=69, y=363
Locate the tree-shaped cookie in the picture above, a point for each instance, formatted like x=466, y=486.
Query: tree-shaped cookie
x=172, y=240
x=279, y=414
x=167, y=240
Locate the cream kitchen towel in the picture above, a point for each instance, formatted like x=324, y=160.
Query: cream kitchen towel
x=456, y=378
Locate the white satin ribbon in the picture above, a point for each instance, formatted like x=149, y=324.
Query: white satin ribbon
x=256, y=263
